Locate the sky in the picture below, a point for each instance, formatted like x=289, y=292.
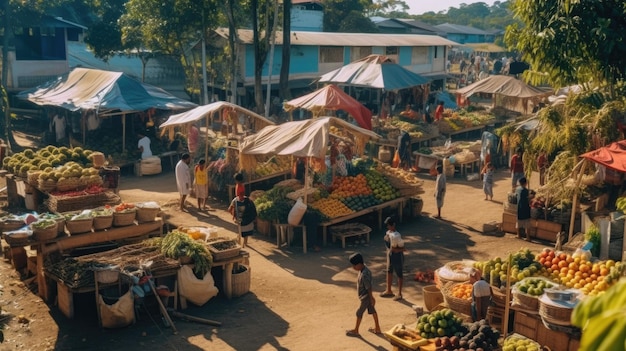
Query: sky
x=417, y=7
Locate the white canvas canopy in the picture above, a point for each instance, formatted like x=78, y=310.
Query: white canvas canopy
x=205, y=111
x=308, y=138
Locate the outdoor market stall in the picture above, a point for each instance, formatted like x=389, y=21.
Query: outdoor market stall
x=548, y=296
x=231, y=124
x=331, y=98
x=349, y=191
x=104, y=94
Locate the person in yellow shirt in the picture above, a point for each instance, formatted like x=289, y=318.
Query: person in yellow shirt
x=201, y=182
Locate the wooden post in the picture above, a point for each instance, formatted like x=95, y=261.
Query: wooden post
x=575, y=200
x=507, y=299
x=123, y=132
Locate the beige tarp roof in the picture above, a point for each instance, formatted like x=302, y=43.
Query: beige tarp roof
x=503, y=85
x=205, y=111
x=308, y=138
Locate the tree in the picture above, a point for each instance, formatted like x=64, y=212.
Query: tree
x=172, y=27
x=285, y=93
x=104, y=36
x=262, y=27
x=567, y=42
x=336, y=11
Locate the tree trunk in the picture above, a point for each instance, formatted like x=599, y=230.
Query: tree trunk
x=285, y=92
x=232, y=44
x=258, y=61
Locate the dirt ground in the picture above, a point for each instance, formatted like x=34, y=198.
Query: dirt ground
x=297, y=301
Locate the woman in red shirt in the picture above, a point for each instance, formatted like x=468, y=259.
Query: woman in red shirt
x=439, y=111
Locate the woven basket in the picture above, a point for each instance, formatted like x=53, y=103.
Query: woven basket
x=79, y=226
x=147, y=214
x=7, y=226
x=41, y=234
x=454, y=303
x=219, y=255
x=122, y=219
x=47, y=185
x=69, y=184
x=555, y=314
x=17, y=239
x=60, y=224
x=525, y=301
x=241, y=282
x=498, y=296
x=432, y=296
x=102, y=222
x=185, y=260
x=106, y=276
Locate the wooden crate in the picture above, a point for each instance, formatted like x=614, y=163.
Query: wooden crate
x=526, y=324
x=574, y=345
x=553, y=339
x=509, y=220
x=18, y=258
x=548, y=225
x=65, y=300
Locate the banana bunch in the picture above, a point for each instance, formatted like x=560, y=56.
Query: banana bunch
x=620, y=204
x=603, y=320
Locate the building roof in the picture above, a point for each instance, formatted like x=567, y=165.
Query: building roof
x=293, y=2
x=348, y=39
x=418, y=24
x=459, y=29
x=59, y=22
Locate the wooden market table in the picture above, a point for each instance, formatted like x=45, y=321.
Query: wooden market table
x=65, y=294
x=227, y=270
x=67, y=242
x=378, y=209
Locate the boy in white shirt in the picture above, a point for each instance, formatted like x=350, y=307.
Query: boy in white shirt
x=395, y=258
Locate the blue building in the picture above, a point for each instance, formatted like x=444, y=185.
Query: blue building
x=464, y=34
x=316, y=53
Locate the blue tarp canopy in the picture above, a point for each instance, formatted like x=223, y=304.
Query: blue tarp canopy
x=374, y=71
x=102, y=91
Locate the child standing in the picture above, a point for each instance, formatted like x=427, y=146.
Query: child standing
x=364, y=289
x=244, y=214
x=395, y=258
x=487, y=173
x=201, y=183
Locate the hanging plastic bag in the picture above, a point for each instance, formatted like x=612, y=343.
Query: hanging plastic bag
x=297, y=212
x=118, y=315
x=396, y=160
x=196, y=291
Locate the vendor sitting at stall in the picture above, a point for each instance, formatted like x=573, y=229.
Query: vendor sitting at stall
x=410, y=113
x=144, y=145
x=481, y=295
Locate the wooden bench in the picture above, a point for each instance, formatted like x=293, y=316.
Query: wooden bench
x=349, y=230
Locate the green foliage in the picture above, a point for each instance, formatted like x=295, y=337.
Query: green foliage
x=564, y=44
x=593, y=236
x=273, y=205
x=177, y=244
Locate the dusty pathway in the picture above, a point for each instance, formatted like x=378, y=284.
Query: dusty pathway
x=297, y=301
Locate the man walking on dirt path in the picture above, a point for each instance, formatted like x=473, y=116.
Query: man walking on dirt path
x=440, y=189
x=183, y=179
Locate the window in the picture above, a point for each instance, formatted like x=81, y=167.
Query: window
x=391, y=50
x=359, y=52
x=435, y=55
x=331, y=54
x=419, y=55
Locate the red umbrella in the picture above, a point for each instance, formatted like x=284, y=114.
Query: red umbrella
x=331, y=97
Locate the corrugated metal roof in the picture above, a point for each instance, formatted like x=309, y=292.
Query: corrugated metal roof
x=348, y=39
x=293, y=2
x=459, y=29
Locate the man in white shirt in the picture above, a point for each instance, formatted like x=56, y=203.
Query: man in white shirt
x=58, y=125
x=481, y=295
x=183, y=179
x=144, y=146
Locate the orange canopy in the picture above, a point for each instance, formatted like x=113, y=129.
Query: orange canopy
x=331, y=97
x=612, y=156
